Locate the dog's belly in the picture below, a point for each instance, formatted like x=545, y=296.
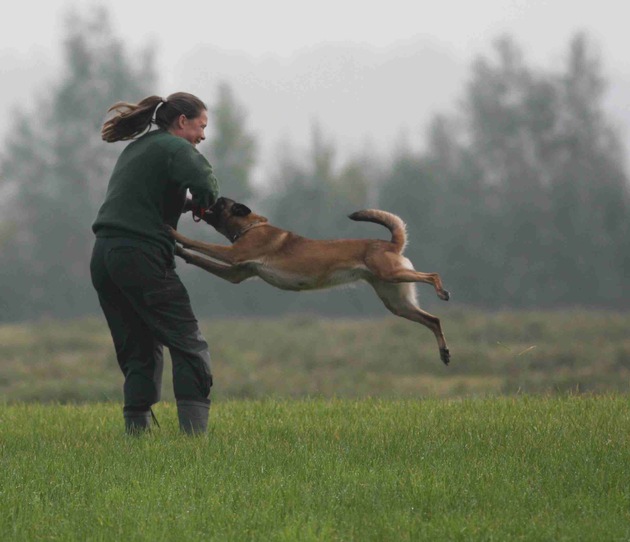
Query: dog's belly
x=311, y=281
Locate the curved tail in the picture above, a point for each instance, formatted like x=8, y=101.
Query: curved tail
x=392, y=222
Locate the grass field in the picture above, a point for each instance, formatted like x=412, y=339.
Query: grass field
x=328, y=430
x=510, y=468
x=501, y=353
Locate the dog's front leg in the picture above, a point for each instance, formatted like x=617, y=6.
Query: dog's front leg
x=232, y=273
x=219, y=252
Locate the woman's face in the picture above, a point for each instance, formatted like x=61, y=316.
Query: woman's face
x=191, y=129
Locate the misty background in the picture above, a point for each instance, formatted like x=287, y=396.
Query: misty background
x=508, y=160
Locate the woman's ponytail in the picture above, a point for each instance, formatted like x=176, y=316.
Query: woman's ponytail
x=133, y=120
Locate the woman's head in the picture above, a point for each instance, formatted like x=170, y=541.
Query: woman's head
x=181, y=113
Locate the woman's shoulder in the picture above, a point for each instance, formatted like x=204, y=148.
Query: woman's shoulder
x=160, y=141
x=164, y=137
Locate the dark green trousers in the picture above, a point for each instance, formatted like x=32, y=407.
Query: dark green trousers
x=147, y=307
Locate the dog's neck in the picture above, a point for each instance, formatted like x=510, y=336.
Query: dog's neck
x=235, y=237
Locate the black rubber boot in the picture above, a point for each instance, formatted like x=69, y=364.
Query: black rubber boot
x=193, y=416
x=137, y=421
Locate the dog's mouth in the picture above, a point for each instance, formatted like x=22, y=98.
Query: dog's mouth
x=211, y=213
x=210, y=216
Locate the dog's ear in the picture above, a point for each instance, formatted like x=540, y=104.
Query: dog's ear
x=238, y=209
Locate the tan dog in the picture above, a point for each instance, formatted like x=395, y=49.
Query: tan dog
x=290, y=262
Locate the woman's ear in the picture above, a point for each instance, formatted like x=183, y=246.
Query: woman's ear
x=181, y=121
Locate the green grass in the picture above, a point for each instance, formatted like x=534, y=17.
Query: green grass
x=352, y=430
x=494, y=354
x=511, y=468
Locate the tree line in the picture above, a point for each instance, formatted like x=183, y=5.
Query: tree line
x=520, y=198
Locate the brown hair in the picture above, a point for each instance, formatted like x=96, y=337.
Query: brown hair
x=134, y=119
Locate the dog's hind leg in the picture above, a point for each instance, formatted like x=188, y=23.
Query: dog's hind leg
x=400, y=299
x=392, y=267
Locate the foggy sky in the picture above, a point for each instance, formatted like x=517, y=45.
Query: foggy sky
x=366, y=73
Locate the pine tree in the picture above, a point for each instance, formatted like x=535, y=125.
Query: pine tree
x=590, y=188
x=533, y=206
x=232, y=149
x=58, y=168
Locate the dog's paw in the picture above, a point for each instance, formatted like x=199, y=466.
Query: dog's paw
x=445, y=355
x=444, y=295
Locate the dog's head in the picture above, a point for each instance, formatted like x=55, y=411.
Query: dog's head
x=230, y=218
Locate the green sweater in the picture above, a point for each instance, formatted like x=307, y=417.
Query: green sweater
x=148, y=186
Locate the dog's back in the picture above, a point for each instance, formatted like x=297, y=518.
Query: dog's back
x=392, y=222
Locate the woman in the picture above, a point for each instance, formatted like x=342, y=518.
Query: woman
x=133, y=266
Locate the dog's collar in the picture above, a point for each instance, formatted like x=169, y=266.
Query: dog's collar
x=239, y=234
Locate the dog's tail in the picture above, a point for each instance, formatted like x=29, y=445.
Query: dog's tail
x=392, y=222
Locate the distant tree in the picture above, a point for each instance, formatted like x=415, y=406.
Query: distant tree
x=464, y=215
x=589, y=188
x=232, y=150
x=305, y=193
x=313, y=197
x=355, y=183
x=510, y=111
x=58, y=169
x=410, y=192
x=533, y=185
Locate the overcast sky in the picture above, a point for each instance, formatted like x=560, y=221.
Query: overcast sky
x=31, y=33
x=285, y=26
